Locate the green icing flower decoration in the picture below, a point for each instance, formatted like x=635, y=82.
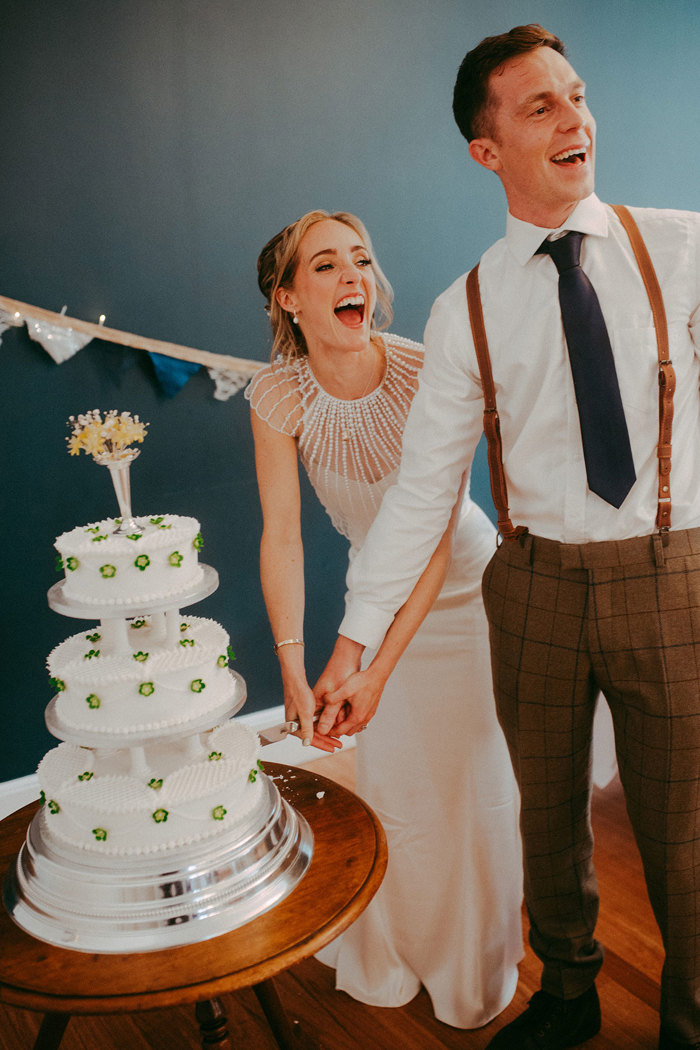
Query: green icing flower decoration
x=59, y=563
x=100, y=834
x=93, y=529
x=260, y=766
x=156, y=521
x=53, y=806
x=197, y=686
x=184, y=642
x=108, y=571
x=160, y=816
x=58, y=684
x=134, y=536
x=93, y=701
x=147, y=688
x=87, y=775
x=218, y=813
x=42, y=798
x=253, y=776
x=93, y=637
x=98, y=539
x=156, y=783
x=198, y=542
x=140, y=657
x=223, y=660
x=184, y=627
x=72, y=564
x=214, y=756
x=175, y=559
x=92, y=654
x=140, y=622
x=142, y=562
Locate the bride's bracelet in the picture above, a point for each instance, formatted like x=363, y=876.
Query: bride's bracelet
x=287, y=641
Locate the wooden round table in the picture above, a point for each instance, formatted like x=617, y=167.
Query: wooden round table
x=348, y=864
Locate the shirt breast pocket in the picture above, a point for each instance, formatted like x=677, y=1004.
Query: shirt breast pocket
x=637, y=366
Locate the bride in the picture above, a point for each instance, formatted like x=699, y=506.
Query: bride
x=437, y=773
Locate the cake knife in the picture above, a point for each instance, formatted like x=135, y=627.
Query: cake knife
x=272, y=734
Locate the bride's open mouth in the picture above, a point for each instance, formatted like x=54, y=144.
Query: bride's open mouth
x=351, y=310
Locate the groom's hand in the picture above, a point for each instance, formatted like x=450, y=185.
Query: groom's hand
x=344, y=661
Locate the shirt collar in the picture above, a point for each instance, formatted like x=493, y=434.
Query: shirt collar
x=523, y=239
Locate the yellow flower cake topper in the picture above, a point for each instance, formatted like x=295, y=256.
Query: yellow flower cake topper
x=110, y=437
x=109, y=441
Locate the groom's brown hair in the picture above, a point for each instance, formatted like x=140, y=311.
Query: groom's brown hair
x=471, y=103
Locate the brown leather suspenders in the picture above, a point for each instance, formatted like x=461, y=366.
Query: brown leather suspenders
x=492, y=422
x=667, y=377
x=667, y=383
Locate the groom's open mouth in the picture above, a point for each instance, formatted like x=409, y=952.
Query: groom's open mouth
x=576, y=155
x=351, y=310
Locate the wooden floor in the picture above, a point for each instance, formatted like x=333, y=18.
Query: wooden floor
x=628, y=983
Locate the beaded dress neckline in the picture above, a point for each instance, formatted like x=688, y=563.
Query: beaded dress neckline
x=350, y=449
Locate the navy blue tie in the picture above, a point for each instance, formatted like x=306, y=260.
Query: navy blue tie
x=606, y=443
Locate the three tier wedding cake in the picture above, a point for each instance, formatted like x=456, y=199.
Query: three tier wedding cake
x=153, y=775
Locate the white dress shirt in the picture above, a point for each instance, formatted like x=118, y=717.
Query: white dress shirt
x=542, y=450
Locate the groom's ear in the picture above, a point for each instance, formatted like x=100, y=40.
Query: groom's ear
x=485, y=152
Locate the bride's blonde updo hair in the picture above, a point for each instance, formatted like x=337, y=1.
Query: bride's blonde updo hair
x=277, y=265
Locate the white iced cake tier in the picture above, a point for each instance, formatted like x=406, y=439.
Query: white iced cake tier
x=124, y=803
x=157, y=562
x=141, y=675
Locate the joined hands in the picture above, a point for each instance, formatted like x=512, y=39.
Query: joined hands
x=346, y=697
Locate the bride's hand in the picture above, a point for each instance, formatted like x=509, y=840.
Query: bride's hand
x=300, y=706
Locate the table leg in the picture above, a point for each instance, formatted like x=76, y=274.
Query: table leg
x=213, y=1024
x=51, y=1032
x=286, y=1033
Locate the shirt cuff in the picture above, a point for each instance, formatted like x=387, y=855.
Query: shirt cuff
x=365, y=624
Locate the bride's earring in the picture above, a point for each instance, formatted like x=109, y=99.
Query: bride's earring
x=295, y=319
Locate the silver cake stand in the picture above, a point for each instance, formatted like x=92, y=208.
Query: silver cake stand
x=137, y=904
x=74, y=899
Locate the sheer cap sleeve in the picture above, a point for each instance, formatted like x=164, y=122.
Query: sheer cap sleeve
x=275, y=397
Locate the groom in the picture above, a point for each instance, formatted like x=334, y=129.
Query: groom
x=596, y=585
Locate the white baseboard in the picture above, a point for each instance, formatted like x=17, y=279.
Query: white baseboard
x=291, y=752
x=17, y=793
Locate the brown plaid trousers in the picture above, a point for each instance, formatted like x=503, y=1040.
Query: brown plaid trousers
x=622, y=617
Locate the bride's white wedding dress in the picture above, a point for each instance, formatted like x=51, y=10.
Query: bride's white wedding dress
x=433, y=763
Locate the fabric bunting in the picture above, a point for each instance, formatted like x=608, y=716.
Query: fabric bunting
x=62, y=341
x=172, y=374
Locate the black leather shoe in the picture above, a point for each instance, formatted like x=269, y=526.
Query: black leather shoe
x=667, y=1042
x=550, y=1023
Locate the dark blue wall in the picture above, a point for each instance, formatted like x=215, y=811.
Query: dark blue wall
x=150, y=149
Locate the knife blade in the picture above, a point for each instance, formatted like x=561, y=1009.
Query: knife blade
x=272, y=734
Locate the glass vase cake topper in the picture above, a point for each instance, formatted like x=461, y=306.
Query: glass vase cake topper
x=109, y=442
